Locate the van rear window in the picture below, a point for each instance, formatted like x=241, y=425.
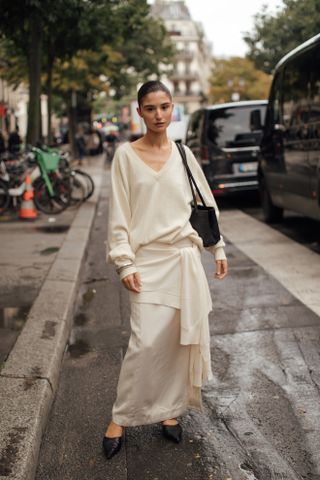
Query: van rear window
x=230, y=127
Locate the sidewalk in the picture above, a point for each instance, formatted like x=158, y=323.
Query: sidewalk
x=28, y=250
x=28, y=379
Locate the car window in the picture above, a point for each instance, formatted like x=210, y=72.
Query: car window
x=230, y=127
x=194, y=125
x=274, y=112
x=315, y=87
x=296, y=87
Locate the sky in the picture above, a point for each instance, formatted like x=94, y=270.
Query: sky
x=225, y=20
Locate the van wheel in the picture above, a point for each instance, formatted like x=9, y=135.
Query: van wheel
x=271, y=212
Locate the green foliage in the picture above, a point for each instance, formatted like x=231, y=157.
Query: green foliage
x=131, y=49
x=82, y=39
x=86, y=46
x=237, y=75
x=13, y=65
x=275, y=35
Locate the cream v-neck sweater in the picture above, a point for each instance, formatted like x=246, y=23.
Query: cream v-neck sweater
x=148, y=206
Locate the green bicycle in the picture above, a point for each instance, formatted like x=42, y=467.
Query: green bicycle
x=52, y=190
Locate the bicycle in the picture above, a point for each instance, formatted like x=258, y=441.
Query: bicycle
x=12, y=173
x=80, y=183
x=78, y=177
x=52, y=190
x=56, y=185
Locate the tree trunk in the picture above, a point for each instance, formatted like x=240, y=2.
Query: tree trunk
x=49, y=94
x=72, y=117
x=33, y=131
x=41, y=140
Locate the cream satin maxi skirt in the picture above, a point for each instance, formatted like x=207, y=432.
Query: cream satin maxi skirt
x=168, y=355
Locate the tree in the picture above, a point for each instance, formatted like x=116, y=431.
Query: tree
x=28, y=29
x=61, y=40
x=22, y=24
x=237, y=76
x=85, y=45
x=275, y=35
x=117, y=59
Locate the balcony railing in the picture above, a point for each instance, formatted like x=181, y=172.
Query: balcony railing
x=185, y=55
x=186, y=76
x=179, y=93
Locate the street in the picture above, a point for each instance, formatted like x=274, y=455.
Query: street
x=261, y=417
x=177, y=99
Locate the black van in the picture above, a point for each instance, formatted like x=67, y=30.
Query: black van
x=226, y=145
x=289, y=163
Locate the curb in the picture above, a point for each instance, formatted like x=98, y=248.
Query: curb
x=29, y=378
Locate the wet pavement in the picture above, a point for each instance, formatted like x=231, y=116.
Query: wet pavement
x=262, y=410
x=303, y=230
x=28, y=250
x=12, y=320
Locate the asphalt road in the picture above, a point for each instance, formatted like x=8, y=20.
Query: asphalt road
x=262, y=410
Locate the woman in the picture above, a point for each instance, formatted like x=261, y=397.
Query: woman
x=157, y=255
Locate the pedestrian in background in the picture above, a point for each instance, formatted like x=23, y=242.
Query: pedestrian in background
x=157, y=254
x=80, y=144
x=14, y=142
x=2, y=143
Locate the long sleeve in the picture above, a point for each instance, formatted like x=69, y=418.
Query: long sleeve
x=119, y=250
x=218, y=249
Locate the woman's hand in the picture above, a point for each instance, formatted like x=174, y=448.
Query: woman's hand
x=133, y=282
x=221, y=269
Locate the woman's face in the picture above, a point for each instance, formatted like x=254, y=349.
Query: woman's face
x=156, y=110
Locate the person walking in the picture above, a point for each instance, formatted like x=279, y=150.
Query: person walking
x=157, y=254
x=80, y=144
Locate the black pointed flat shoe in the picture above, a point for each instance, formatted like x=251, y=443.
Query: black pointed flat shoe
x=111, y=446
x=172, y=432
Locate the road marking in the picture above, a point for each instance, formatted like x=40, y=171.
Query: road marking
x=292, y=264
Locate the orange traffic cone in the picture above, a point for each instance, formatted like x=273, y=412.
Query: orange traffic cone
x=28, y=210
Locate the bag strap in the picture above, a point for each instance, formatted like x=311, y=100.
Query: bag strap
x=190, y=176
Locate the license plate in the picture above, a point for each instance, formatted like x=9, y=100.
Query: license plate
x=248, y=167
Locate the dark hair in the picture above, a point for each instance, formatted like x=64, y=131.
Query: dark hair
x=150, y=87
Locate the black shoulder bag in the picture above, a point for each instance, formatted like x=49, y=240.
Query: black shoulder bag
x=203, y=218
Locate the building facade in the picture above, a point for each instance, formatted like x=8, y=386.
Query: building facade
x=188, y=76
x=13, y=108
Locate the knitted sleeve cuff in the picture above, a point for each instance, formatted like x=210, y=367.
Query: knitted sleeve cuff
x=127, y=270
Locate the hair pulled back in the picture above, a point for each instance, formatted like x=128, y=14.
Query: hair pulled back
x=150, y=87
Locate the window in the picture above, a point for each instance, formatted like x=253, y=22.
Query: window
x=296, y=87
x=274, y=114
x=230, y=127
x=315, y=86
x=194, y=125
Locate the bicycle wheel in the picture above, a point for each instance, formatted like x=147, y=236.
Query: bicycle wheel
x=56, y=203
x=4, y=197
x=89, y=182
x=78, y=189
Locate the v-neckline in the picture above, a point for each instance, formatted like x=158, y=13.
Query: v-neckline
x=150, y=169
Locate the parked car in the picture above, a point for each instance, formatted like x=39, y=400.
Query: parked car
x=226, y=145
x=289, y=163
